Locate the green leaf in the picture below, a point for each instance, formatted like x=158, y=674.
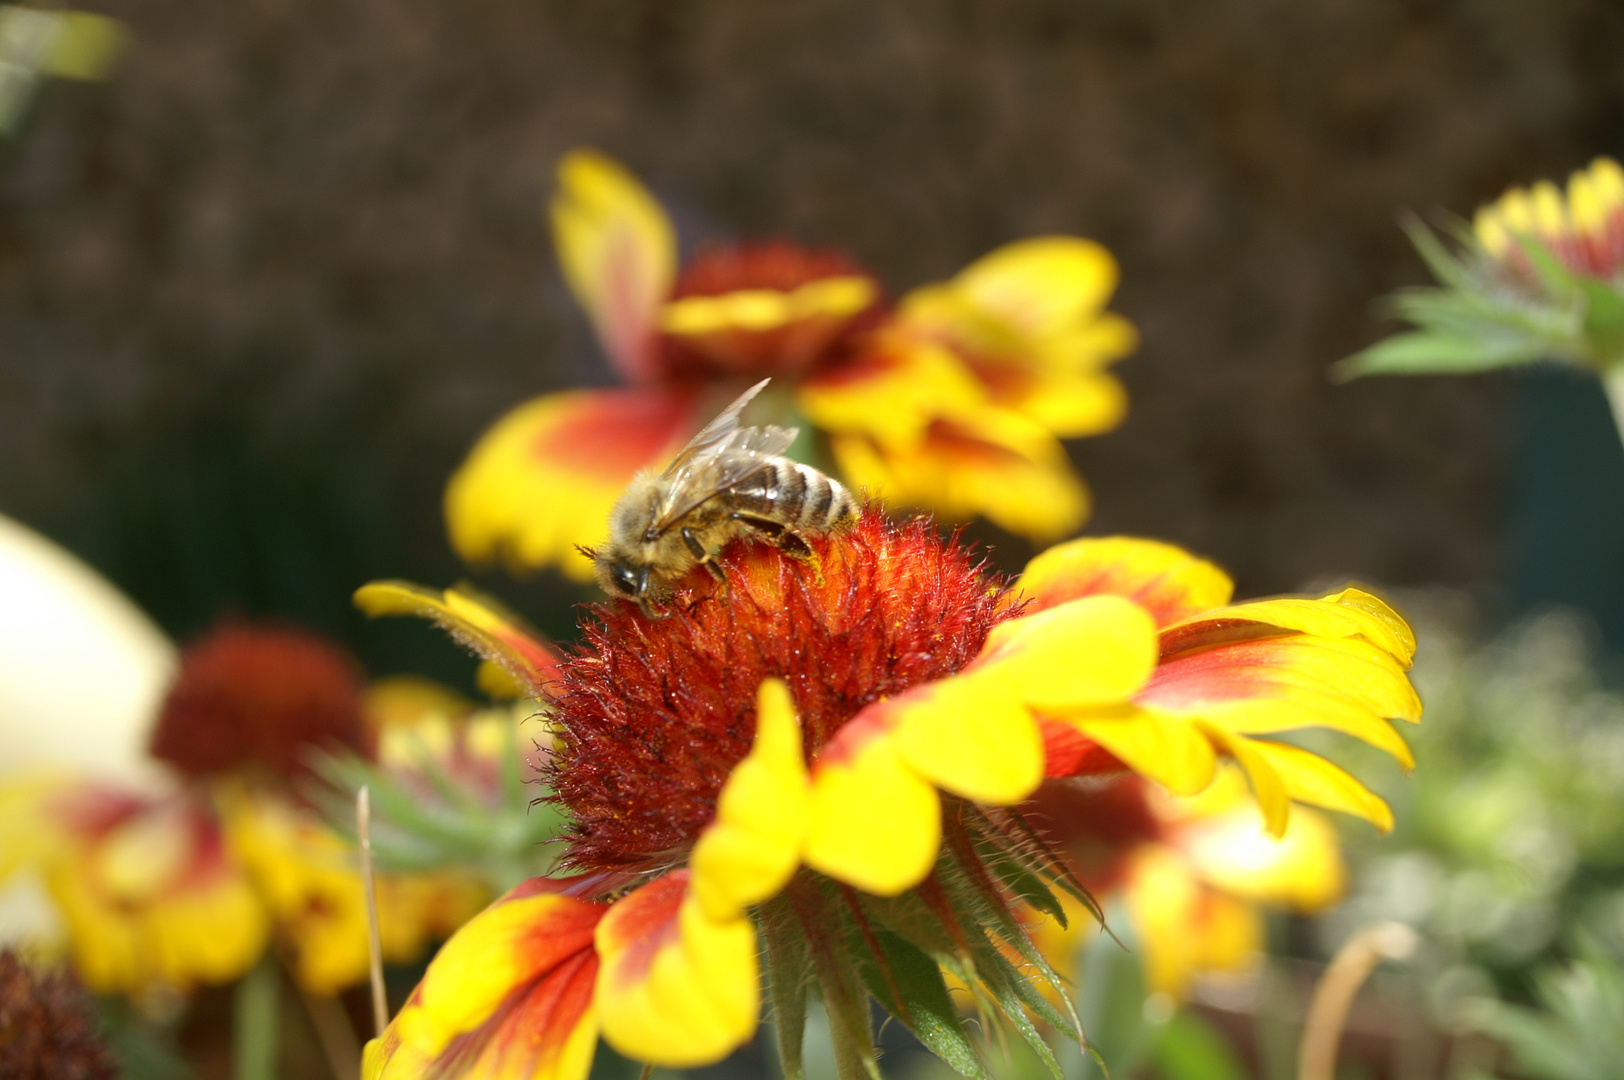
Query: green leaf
x=1189, y=1049
x=1017, y=999
x=1604, y=321
x=1420, y=352
x=1562, y=286
x=1443, y=264
x=909, y=985
x=844, y=999
x=511, y=775
x=1111, y=1001
x=789, y=977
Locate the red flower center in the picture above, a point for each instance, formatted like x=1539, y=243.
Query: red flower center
x=250, y=695
x=810, y=340
x=654, y=715
x=772, y=264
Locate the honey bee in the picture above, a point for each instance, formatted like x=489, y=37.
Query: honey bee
x=730, y=481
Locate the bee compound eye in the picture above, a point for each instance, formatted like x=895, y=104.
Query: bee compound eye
x=625, y=580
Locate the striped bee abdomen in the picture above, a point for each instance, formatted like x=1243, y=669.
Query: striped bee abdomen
x=796, y=496
x=825, y=504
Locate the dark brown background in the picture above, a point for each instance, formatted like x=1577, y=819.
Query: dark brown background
x=260, y=292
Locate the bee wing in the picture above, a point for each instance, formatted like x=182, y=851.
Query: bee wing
x=713, y=435
x=720, y=456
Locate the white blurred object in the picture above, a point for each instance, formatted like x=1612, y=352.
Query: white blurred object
x=28, y=917
x=82, y=669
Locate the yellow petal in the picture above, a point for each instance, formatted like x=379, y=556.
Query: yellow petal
x=753, y=846
x=1302, y=869
x=874, y=822
x=1090, y=651
x=1181, y=927
x=476, y=621
x=893, y=393
x=997, y=464
x=1269, y=789
x=971, y=737
x=765, y=309
x=541, y=482
x=618, y=253
x=1071, y=404
x=677, y=988
x=1044, y=283
x=1167, y=581
x=1167, y=749
x=1311, y=779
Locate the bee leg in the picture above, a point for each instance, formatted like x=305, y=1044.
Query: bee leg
x=707, y=559
x=790, y=543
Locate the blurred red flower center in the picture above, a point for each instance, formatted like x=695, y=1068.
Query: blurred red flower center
x=251, y=695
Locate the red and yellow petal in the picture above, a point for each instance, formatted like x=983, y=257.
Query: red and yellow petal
x=509, y=995
x=477, y=621
x=618, y=253
x=862, y=777
x=753, y=846
x=1351, y=613
x=542, y=480
x=1296, y=681
x=155, y=898
x=676, y=987
x=996, y=464
x=778, y=330
x=1165, y=580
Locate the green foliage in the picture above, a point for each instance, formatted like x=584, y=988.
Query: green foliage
x=431, y=816
x=1189, y=1049
x=1578, y=1031
x=1511, y=827
x=1483, y=316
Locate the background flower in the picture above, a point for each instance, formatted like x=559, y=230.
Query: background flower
x=954, y=401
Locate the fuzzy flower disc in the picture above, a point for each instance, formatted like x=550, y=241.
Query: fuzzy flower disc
x=653, y=715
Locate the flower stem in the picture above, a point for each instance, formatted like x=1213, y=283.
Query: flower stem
x=1333, y=997
x=256, y=1022
x=369, y=889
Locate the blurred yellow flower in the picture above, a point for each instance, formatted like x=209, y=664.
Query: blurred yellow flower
x=1584, y=230
x=310, y=882
x=1193, y=873
x=956, y=400
x=179, y=869
x=151, y=896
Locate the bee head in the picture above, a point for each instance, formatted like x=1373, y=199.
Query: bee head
x=619, y=577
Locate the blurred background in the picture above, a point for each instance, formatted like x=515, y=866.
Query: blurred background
x=263, y=287
x=261, y=290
